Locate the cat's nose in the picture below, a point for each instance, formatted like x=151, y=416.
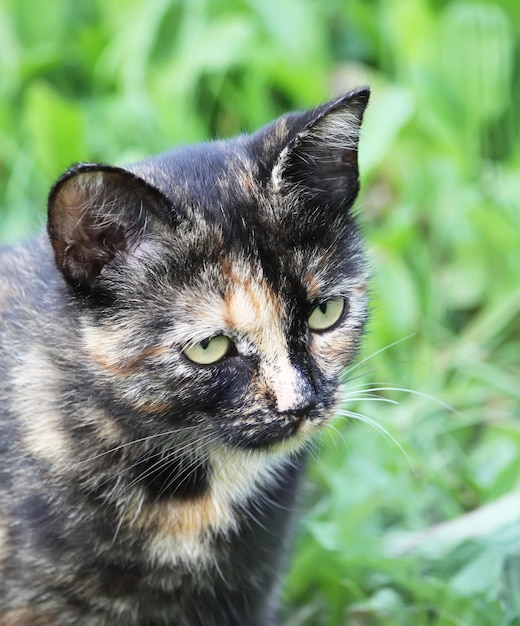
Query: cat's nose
x=292, y=390
x=303, y=404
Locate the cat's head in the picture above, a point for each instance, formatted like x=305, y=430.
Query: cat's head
x=220, y=289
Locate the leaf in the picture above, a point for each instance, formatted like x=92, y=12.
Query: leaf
x=56, y=129
x=476, y=48
x=390, y=110
x=481, y=575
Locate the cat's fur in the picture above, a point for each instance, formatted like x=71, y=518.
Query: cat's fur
x=137, y=487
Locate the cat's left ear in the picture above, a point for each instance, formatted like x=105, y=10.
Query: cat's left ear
x=96, y=212
x=321, y=159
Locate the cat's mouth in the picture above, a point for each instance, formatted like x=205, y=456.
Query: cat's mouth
x=285, y=433
x=279, y=434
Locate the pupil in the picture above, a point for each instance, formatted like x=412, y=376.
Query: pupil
x=204, y=344
x=323, y=307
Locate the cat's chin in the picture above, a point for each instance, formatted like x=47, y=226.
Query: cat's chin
x=306, y=432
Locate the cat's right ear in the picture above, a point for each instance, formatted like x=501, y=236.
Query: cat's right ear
x=319, y=156
x=94, y=213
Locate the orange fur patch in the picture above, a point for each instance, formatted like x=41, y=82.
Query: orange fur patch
x=27, y=617
x=124, y=367
x=190, y=519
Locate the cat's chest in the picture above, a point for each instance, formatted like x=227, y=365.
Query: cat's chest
x=190, y=532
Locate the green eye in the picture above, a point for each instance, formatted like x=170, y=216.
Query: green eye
x=208, y=351
x=326, y=315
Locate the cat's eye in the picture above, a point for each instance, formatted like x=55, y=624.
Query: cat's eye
x=209, y=351
x=326, y=315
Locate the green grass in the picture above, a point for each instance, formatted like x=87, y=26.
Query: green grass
x=419, y=526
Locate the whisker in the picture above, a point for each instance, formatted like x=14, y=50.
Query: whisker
x=373, y=354
x=362, y=386
x=369, y=398
x=332, y=429
x=379, y=428
x=118, y=476
x=421, y=394
x=144, y=474
x=164, y=458
x=187, y=472
x=313, y=447
x=133, y=442
x=151, y=455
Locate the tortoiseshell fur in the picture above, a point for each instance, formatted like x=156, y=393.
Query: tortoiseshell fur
x=137, y=487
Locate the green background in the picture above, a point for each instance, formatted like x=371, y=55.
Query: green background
x=412, y=509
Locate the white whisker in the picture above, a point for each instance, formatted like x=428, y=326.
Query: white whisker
x=373, y=354
x=421, y=394
x=379, y=428
x=133, y=442
x=369, y=398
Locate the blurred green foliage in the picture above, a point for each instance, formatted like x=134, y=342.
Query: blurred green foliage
x=421, y=525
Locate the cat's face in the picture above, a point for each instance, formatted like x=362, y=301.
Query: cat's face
x=220, y=290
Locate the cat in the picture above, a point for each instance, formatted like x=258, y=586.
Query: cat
x=168, y=348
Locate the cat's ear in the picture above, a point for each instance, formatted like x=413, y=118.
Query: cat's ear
x=321, y=159
x=95, y=212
